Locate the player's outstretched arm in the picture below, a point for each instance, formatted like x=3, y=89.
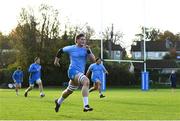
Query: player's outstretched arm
x=87, y=73
x=105, y=71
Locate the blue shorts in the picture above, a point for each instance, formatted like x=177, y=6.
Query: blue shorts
x=17, y=82
x=96, y=78
x=32, y=81
x=72, y=73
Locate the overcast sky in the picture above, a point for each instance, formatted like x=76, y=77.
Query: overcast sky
x=126, y=15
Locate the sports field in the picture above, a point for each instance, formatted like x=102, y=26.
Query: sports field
x=120, y=104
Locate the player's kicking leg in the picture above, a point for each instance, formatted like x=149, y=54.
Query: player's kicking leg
x=69, y=90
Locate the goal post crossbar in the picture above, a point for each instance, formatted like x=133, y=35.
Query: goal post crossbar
x=127, y=61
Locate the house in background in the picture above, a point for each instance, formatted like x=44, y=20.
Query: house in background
x=155, y=53
x=155, y=50
x=116, y=51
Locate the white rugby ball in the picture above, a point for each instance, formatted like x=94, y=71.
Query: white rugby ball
x=10, y=86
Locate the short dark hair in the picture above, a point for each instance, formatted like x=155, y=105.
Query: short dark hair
x=79, y=36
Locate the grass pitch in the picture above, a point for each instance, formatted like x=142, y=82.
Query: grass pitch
x=119, y=104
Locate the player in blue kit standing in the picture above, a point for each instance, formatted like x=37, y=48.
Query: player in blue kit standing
x=17, y=78
x=78, y=54
x=35, y=77
x=98, y=71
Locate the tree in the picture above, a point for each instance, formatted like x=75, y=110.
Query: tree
x=71, y=31
x=7, y=54
x=118, y=36
x=89, y=32
x=48, y=28
x=24, y=37
x=48, y=25
x=112, y=37
x=151, y=34
x=167, y=34
x=36, y=36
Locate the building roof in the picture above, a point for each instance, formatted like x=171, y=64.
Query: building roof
x=154, y=46
x=114, y=46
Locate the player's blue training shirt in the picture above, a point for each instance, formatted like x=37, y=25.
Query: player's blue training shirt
x=17, y=76
x=78, y=57
x=97, y=71
x=35, y=72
